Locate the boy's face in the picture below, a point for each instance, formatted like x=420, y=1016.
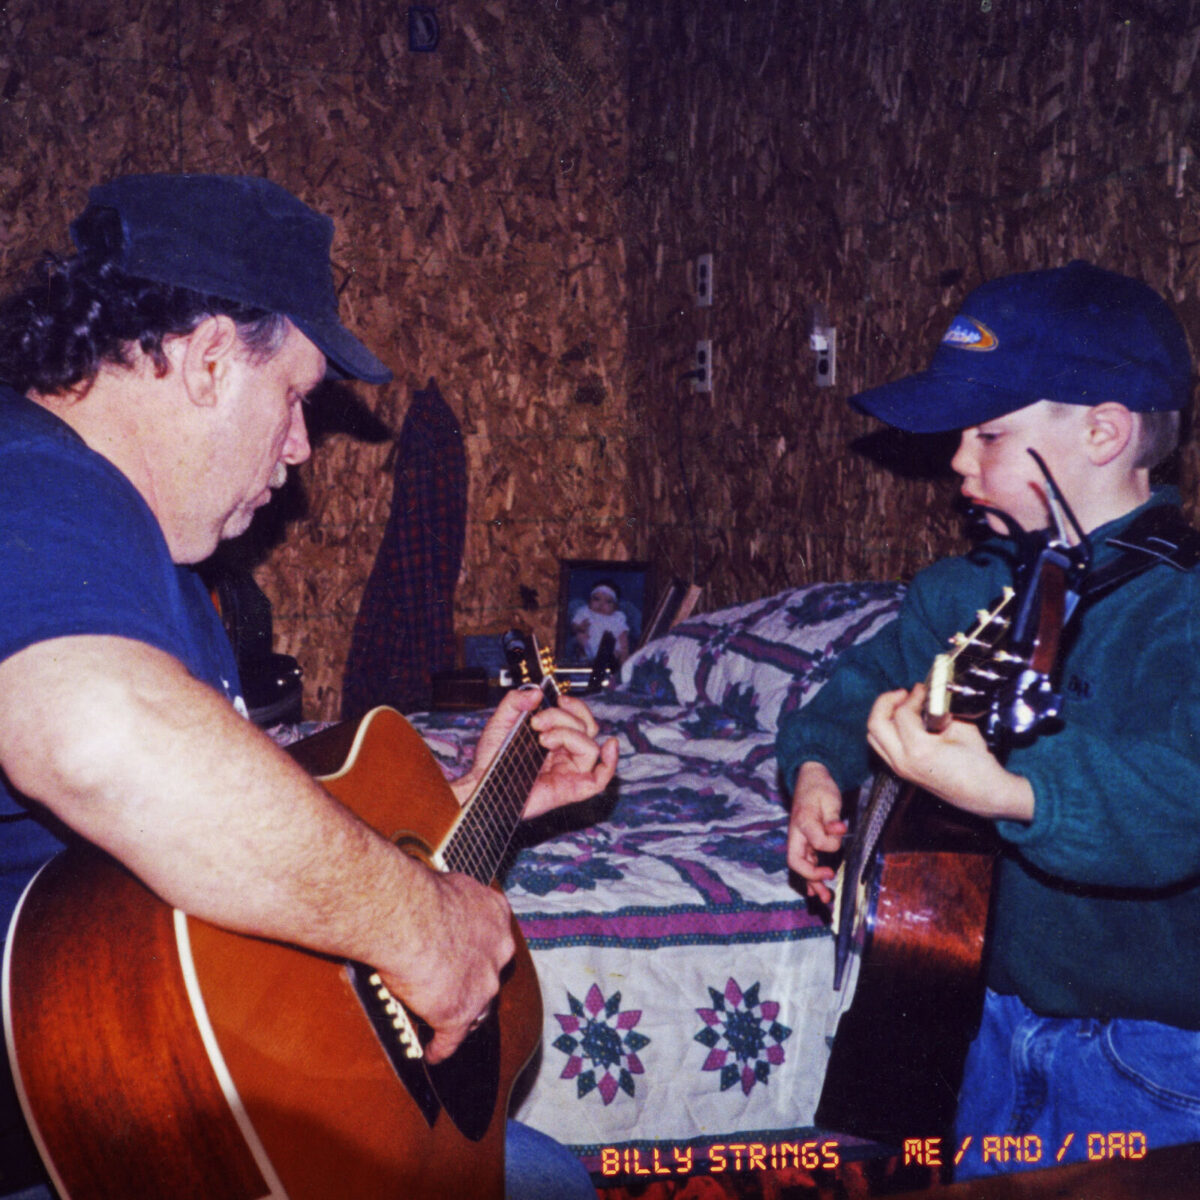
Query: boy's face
x=997, y=470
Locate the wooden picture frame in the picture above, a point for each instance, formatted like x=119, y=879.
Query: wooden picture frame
x=676, y=602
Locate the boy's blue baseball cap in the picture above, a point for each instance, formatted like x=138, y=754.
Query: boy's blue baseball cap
x=1076, y=334
x=241, y=238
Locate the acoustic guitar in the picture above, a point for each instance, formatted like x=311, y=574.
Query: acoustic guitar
x=158, y=1056
x=914, y=888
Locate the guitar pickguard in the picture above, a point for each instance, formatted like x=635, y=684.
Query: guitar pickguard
x=465, y=1086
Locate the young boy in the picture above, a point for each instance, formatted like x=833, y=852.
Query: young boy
x=1091, y=1018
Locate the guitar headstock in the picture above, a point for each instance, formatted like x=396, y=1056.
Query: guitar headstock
x=532, y=664
x=965, y=679
x=1002, y=673
x=541, y=670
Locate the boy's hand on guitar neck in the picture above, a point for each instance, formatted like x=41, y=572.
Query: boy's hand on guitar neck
x=576, y=766
x=815, y=827
x=954, y=765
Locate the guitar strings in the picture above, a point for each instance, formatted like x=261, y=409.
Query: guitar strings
x=483, y=834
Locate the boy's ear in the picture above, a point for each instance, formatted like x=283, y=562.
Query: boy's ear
x=205, y=357
x=1109, y=428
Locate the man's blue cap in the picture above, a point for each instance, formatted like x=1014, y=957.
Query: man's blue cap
x=1076, y=334
x=240, y=238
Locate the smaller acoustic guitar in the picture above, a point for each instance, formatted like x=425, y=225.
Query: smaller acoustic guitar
x=914, y=888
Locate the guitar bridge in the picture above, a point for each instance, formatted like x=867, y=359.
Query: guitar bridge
x=397, y=1036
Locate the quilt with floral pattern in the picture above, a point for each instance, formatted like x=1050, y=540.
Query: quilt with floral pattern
x=687, y=988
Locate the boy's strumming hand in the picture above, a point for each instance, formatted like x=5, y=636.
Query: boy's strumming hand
x=955, y=765
x=814, y=827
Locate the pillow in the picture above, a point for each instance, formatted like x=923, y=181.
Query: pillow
x=759, y=659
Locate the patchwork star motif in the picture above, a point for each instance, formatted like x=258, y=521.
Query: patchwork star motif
x=601, y=1044
x=743, y=1036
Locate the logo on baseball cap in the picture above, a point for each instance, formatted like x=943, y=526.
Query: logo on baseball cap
x=968, y=334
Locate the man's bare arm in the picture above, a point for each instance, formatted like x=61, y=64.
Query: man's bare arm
x=122, y=744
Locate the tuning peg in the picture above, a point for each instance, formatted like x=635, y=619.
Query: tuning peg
x=963, y=689
x=975, y=640
x=986, y=673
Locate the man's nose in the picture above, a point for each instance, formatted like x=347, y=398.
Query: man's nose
x=297, y=448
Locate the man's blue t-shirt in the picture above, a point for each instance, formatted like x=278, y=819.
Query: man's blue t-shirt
x=81, y=553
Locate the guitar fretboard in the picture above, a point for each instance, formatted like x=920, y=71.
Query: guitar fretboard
x=489, y=819
x=884, y=794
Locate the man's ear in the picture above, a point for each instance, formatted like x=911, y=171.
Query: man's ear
x=1109, y=428
x=204, y=357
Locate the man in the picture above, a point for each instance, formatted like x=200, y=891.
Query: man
x=1091, y=1018
x=157, y=386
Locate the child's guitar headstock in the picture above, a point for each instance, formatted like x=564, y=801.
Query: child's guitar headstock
x=964, y=678
x=1001, y=674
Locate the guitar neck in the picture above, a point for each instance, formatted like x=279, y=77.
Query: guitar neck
x=886, y=790
x=476, y=844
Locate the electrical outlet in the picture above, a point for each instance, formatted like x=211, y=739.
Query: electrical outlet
x=824, y=342
x=702, y=381
x=702, y=280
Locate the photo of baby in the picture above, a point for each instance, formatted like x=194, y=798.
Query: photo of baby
x=598, y=598
x=600, y=615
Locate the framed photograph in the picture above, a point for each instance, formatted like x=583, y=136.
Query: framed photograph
x=598, y=597
x=676, y=602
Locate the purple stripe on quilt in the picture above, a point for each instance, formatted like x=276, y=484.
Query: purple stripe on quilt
x=702, y=878
x=636, y=927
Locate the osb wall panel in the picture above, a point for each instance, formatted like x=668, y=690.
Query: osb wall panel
x=878, y=160
x=475, y=194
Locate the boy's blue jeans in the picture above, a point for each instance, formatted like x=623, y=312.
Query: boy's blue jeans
x=1091, y=1086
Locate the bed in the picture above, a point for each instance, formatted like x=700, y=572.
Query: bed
x=686, y=986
